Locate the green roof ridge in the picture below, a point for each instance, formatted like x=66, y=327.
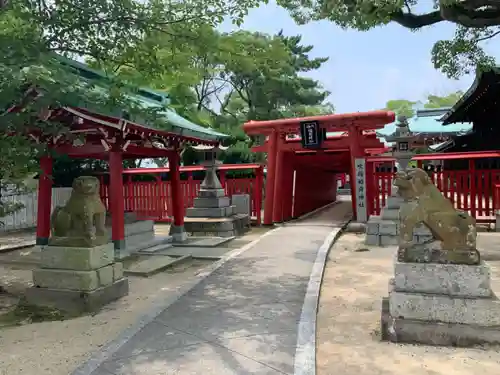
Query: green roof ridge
x=149, y=98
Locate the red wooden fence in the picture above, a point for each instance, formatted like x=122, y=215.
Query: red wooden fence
x=474, y=190
x=152, y=199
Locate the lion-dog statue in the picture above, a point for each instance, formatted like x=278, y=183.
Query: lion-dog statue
x=426, y=204
x=81, y=222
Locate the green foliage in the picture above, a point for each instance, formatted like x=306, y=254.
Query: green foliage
x=475, y=21
x=401, y=107
x=406, y=107
x=434, y=101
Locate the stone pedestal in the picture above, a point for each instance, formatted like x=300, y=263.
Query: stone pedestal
x=383, y=230
x=140, y=236
x=441, y=304
x=213, y=215
x=77, y=279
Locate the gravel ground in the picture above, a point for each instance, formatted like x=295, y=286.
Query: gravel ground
x=57, y=348
x=348, y=335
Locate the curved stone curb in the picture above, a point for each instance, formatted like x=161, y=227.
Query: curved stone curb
x=305, y=353
x=108, y=350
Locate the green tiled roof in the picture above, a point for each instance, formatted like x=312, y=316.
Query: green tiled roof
x=429, y=124
x=148, y=98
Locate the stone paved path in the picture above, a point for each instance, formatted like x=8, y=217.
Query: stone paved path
x=242, y=319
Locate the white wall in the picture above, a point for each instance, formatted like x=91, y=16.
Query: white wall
x=26, y=217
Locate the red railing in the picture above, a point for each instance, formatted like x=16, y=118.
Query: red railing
x=476, y=191
x=153, y=199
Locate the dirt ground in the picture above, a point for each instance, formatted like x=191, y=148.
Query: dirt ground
x=348, y=334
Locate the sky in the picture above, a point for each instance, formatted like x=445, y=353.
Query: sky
x=366, y=69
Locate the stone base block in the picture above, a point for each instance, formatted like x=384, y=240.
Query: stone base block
x=410, y=331
x=394, y=202
x=214, y=202
x=75, y=280
x=211, y=193
x=77, y=258
x=76, y=301
x=388, y=240
x=389, y=214
x=210, y=212
x=445, y=309
x=140, y=226
x=372, y=240
x=221, y=227
x=242, y=203
x=449, y=279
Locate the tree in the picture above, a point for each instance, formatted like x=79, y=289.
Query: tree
x=33, y=34
x=407, y=107
x=401, y=107
x=434, y=101
x=222, y=80
x=476, y=21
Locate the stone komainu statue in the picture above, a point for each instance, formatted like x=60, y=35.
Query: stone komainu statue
x=81, y=222
x=426, y=204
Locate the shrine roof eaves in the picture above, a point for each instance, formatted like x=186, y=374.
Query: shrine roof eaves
x=149, y=99
x=484, y=80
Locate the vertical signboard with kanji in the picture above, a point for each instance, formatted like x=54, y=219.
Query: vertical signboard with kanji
x=311, y=133
x=360, y=185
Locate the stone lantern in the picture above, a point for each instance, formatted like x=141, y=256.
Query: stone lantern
x=404, y=139
x=210, y=162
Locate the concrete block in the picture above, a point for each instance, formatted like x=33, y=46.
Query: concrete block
x=372, y=226
x=77, y=301
x=497, y=222
x=387, y=240
x=105, y=275
x=65, y=279
x=212, y=202
x=139, y=227
x=137, y=241
x=372, y=240
x=210, y=212
x=450, y=279
x=211, y=193
x=394, y=202
x=117, y=271
x=389, y=214
x=411, y=331
x=387, y=227
x=445, y=309
x=241, y=203
x=77, y=258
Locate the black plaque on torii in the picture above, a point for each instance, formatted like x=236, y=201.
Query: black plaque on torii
x=312, y=134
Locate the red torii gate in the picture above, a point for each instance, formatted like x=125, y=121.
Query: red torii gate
x=337, y=153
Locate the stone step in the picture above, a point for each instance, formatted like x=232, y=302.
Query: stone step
x=214, y=202
x=154, y=264
x=390, y=214
x=215, y=212
x=155, y=249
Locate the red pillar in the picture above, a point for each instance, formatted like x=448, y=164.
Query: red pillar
x=116, y=200
x=278, y=187
x=288, y=186
x=44, y=201
x=177, y=228
x=272, y=152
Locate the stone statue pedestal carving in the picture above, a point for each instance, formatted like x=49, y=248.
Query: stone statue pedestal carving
x=78, y=272
x=440, y=293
